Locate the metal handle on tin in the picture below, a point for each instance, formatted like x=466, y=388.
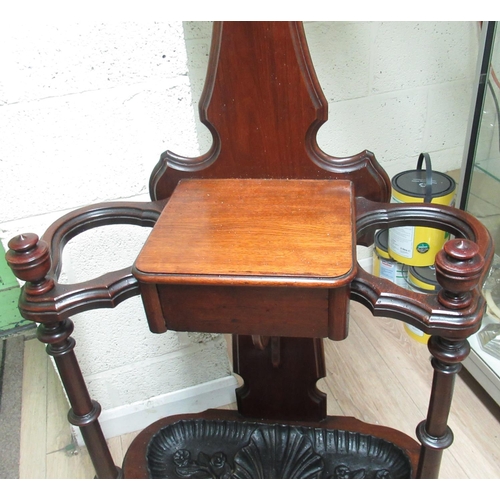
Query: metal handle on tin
x=428, y=175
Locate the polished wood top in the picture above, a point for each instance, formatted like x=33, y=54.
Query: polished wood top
x=253, y=231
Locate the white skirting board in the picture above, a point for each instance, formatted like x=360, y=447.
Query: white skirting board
x=137, y=416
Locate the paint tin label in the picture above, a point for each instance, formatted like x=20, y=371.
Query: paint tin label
x=416, y=245
x=383, y=265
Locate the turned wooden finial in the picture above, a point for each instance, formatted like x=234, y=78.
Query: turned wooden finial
x=458, y=269
x=29, y=260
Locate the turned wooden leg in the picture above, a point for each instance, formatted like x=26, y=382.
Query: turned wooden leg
x=84, y=411
x=458, y=269
x=434, y=433
x=30, y=261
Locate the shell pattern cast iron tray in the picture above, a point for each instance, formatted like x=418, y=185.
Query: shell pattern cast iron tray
x=236, y=450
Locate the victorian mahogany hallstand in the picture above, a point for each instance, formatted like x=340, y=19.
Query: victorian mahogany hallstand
x=257, y=238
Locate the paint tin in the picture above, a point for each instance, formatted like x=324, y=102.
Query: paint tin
x=415, y=245
x=423, y=280
x=383, y=265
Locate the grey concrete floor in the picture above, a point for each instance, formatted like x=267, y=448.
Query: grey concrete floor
x=11, y=379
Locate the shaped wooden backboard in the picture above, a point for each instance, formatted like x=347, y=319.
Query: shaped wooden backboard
x=263, y=105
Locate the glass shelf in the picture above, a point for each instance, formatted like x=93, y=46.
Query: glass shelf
x=490, y=167
x=479, y=194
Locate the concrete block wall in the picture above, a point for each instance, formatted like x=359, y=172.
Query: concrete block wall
x=86, y=109
x=396, y=88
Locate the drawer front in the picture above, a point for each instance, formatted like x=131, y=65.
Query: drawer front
x=273, y=311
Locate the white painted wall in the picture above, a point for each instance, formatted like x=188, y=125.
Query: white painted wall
x=86, y=109
x=397, y=89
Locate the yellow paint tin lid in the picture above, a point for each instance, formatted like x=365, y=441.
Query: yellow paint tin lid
x=413, y=183
x=425, y=184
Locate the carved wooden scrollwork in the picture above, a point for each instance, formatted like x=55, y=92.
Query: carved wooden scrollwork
x=38, y=262
x=458, y=310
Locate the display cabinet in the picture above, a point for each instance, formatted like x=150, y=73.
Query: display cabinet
x=479, y=194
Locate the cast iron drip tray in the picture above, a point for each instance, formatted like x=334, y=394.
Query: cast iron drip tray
x=218, y=449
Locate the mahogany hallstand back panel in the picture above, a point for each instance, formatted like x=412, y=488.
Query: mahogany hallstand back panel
x=257, y=238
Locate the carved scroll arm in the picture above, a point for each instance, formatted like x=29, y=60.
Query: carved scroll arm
x=39, y=262
x=428, y=312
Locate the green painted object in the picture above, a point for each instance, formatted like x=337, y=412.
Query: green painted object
x=11, y=321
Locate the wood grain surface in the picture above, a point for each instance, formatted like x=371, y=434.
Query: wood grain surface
x=233, y=229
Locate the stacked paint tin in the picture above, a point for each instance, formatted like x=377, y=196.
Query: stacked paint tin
x=422, y=280
x=418, y=246
x=384, y=266
x=415, y=246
